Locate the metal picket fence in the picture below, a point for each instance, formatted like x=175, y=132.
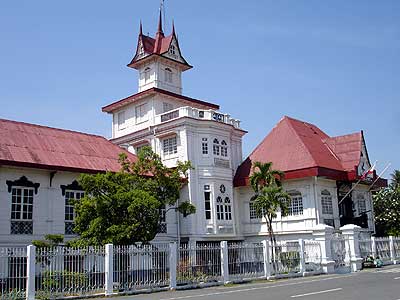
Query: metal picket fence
x=383, y=248
x=13, y=273
x=365, y=247
x=199, y=263
x=68, y=271
x=396, y=247
x=312, y=256
x=139, y=267
x=245, y=260
x=285, y=258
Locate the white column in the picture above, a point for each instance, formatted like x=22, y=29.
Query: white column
x=30, y=272
x=224, y=262
x=351, y=233
x=267, y=266
x=302, y=259
x=373, y=246
x=109, y=269
x=323, y=234
x=173, y=250
x=392, y=254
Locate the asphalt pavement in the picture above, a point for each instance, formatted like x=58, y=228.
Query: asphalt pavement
x=372, y=284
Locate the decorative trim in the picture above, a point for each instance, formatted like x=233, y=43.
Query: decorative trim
x=74, y=186
x=23, y=181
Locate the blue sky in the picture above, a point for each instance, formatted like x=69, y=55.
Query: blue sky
x=332, y=63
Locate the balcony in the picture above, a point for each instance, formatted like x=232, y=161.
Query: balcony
x=199, y=114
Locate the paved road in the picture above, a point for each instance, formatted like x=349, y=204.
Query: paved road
x=374, y=284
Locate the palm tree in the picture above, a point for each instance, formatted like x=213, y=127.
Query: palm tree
x=269, y=196
x=396, y=179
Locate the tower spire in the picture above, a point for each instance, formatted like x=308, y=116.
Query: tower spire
x=140, y=28
x=173, y=27
x=159, y=29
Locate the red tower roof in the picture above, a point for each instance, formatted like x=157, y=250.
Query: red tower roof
x=301, y=149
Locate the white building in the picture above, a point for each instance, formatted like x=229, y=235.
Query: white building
x=39, y=165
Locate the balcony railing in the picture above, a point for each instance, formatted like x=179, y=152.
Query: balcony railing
x=196, y=113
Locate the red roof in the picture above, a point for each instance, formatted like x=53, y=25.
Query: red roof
x=301, y=149
x=29, y=145
x=152, y=91
x=156, y=46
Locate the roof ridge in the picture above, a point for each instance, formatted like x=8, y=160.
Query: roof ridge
x=52, y=128
x=301, y=140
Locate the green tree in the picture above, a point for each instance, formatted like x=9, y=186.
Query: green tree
x=387, y=211
x=124, y=207
x=269, y=196
x=396, y=179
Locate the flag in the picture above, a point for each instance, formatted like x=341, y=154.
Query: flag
x=369, y=171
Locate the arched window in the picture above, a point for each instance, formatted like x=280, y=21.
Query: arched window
x=228, y=209
x=216, y=147
x=326, y=203
x=220, y=208
x=147, y=74
x=224, y=149
x=296, y=204
x=168, y=75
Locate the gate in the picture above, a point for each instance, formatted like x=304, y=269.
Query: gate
x=339, y=249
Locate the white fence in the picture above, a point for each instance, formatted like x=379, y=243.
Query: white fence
x=62, y=272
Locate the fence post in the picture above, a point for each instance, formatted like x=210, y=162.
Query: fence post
x=352, y=232
x=392, y=254
x=224, y=262
x=30, y=272
x=302, y=257
x=109, y=269
x=173, y=251
x=373, y=247
x=323, y=234
x=267, y=266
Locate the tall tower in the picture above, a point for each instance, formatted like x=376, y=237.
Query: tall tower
x=159, y=61
x=181, y=128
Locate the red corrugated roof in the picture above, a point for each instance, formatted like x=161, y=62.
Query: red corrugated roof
x=29, y=145
x=301, y=149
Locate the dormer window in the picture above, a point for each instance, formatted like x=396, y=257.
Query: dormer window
x=168, y=75
x=141, y=50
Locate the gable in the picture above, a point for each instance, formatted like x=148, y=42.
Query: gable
x=364, y=164
x=173, y=51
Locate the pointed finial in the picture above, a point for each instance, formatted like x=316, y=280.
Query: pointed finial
x=159, y=29
x=173, y=27
x=140, y=29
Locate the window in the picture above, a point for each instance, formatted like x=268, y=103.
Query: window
x=141, y=113
x=296, y=204
x=326, y=202
x=162, y=225
x=253, y=211
x=167, y=107
x=147, y=74
x=70, y=196
x=170, y=146
x=228, y=208
x=141, y=50
x=21, y=210
x=220, y=208
x=224, y=149
x=204, y=146
x=168, y=75
x=362, y=205
x=207, y=202
x=121, y=120
x=216, y=147
x=329, y=222
x=172, y=50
